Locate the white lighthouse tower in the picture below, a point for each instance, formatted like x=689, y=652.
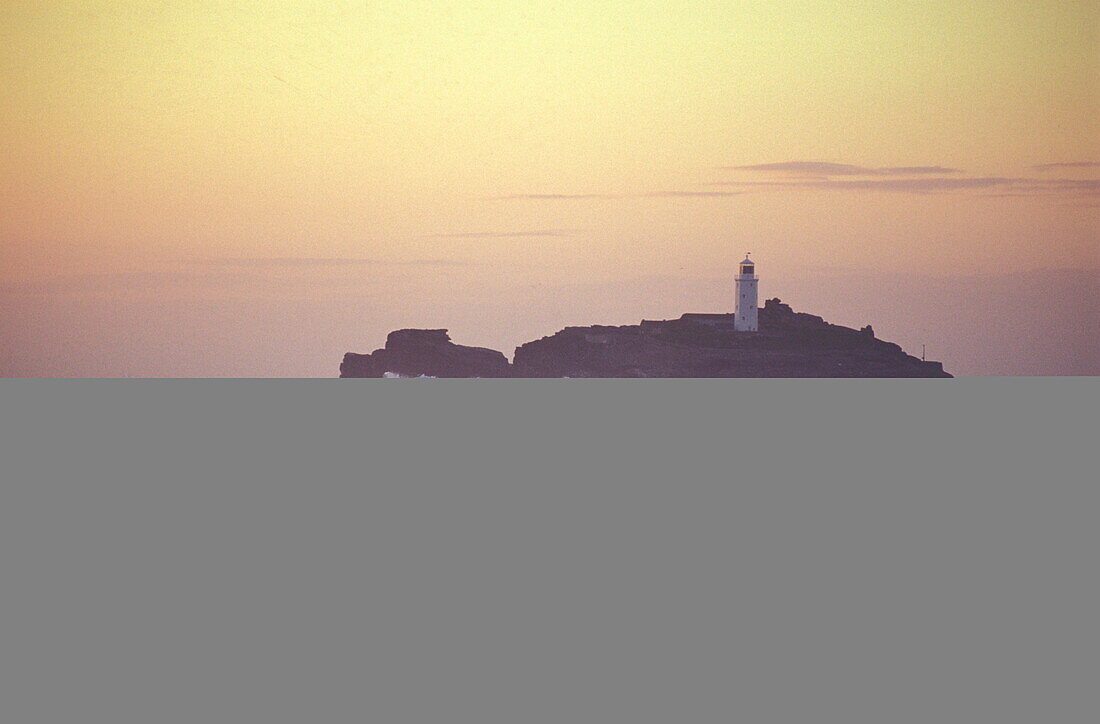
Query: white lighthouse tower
x=745, y=289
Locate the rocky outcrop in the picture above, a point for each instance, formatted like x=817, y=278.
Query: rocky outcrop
x=788, y=344
x=428, y=352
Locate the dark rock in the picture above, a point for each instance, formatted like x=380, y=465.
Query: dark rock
x=804, y=347
x=430, y=352
x=788, y=344
x=776, y=307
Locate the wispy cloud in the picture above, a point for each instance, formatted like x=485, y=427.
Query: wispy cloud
x=114, y=282
x=314, y=262
x=1054, y=185
x=1067, y=164
x=845, y=176
x=507, y=234
x=650, y=195
x=1029, y=186
x=560, y=196
x=250, y=274
x=914, y=170
x=824, y=168
x=688, y=194
x=911, y=185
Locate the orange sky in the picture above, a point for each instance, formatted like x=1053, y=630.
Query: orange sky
x=467, y=151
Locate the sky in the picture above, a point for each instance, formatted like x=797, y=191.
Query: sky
x=210, y=188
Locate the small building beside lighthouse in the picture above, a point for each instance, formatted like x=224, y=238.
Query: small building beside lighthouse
x=745, y=317
x=745, y=302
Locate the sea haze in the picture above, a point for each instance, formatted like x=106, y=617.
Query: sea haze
x=270, y=321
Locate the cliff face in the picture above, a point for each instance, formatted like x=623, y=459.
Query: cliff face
x=788, y=344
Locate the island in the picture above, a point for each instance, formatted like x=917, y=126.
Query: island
x=784, y=343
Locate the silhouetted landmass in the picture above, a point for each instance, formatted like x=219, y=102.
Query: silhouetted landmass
x=416, y=352
x=788, y=344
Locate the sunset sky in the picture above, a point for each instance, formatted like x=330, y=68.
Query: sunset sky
x=208, y=188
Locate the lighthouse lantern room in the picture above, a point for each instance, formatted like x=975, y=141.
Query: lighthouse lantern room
x=745, y=307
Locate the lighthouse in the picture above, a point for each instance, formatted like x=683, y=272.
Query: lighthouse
x=745, y=297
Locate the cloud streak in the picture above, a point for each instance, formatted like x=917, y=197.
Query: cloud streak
x=653, y=195
x=823, y=168
x=913, y=185
x=850, y=177
x=1028, y=186
x=1067, y=164
x=260, y=274
x=688, y=194
x=555, y=197
x=506, y=234
x=320, y=262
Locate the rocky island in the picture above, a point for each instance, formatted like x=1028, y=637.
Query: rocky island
x=786, y=344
